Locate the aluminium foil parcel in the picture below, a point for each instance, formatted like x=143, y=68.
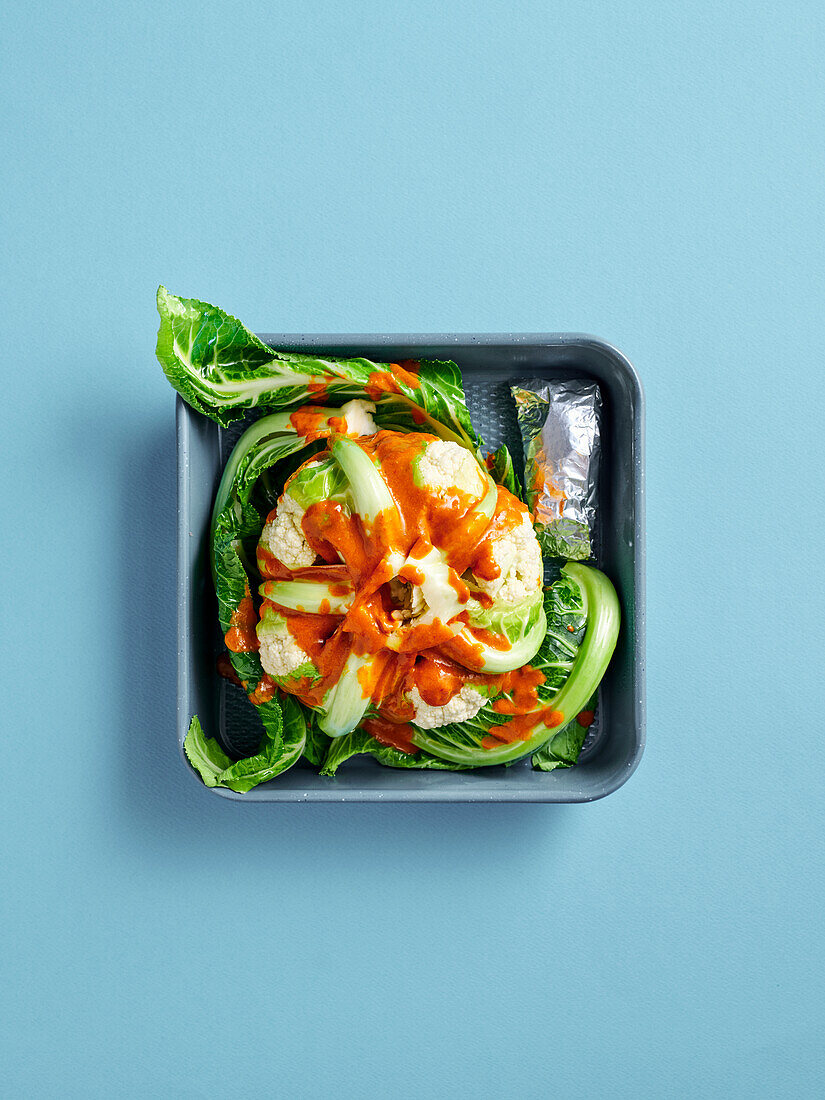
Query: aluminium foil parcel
x=560, y=430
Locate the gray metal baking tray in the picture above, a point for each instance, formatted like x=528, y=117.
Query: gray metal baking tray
x=489, y=363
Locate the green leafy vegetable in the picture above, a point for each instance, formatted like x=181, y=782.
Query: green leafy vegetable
x=359, y=742
x=562, y=750
x=235, y=520
x=222, y=369
x=566, y=613
x=205, y=754
x=462, y=742
x=487, y=505
x=437, y=405
x=282, y=745
x=503, y=473
x=491, y=660
x=320, y=480
x=317, y=742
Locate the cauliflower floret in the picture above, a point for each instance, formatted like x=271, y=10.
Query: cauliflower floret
x=358, y=415
x=284, y=536
x=280, y=654
x=518, y=555
x=444, y=467
x=463, y=706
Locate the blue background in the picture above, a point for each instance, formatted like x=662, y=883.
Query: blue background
x=650, y=173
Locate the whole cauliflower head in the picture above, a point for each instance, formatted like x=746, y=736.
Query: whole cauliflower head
x=444, y=467
x=517, y=554
x=284, y=536
x=464, y=705
x=280, y=654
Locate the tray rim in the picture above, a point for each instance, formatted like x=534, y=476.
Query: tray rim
x=354, y=341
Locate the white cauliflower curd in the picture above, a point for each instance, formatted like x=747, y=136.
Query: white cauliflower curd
x=284, y=537
x=464, y=705
x=280, y=654
x=358, y=415
x=517, y=554
x=444, y=467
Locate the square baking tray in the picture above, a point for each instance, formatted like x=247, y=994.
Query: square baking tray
x=489, y=364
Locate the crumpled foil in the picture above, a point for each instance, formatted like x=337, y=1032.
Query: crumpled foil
x=559, y=422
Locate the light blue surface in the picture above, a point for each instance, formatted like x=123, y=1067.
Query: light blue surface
x=647, y=172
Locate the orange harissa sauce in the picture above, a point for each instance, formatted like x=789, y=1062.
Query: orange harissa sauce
x=364, y=558
x=314, y=422
x=241, y=636
x=397, y=736
x=521, y=727
x=382, y=382
x=263, y=692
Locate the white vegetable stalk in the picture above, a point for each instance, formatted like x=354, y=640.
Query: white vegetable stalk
x=487, y=505
x=439, y=595
x=345, y=703
x=370, y=495
x=310, y=597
